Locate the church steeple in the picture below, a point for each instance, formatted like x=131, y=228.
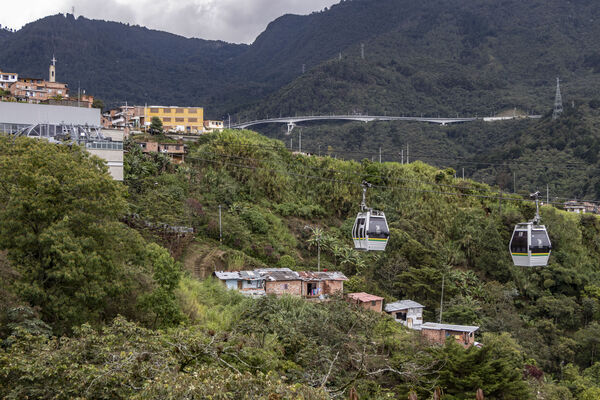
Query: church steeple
x=53, y=70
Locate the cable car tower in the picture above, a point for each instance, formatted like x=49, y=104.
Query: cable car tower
x=530, y=245
x=370, y=231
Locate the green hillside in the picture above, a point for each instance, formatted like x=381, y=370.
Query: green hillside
x=68, y=265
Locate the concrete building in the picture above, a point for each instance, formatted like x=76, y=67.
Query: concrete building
x=62, y=124
x=367, y=301
x=439, y=333
x=212, y=126
x=407, y=312
x=7, y=79
x=188, y=120
x=581, y=207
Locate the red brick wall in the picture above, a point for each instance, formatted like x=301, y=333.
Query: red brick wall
x=330, y=287
x=439, y=337
x=434, y=336
x=367, y=305
x=278, y=288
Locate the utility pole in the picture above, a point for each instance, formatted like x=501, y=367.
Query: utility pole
x=300, y=140
x=319, y=150
x=362, y=51
x=220, y=226
x=340, y=56
x=303, y=68
x=463, y=172
x=229, y=118
x=319, y=252
x=379, y=154
x=514, y=182
x=547, y=194
x=407, y=160
x=291, y=141
x=442, y=299
x=402, y=155
x=500, y=203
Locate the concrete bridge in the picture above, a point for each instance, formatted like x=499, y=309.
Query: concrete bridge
x=292, y=121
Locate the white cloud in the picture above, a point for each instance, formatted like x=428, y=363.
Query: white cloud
x=229, y=20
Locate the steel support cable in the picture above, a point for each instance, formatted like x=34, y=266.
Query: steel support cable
x=463, y=187
x=424, y=155
x=468, y=186
x=432, y=183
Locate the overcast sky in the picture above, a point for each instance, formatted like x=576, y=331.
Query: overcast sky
x=238, y=21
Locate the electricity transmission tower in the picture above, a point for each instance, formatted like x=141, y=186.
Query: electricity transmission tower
x=558, y=107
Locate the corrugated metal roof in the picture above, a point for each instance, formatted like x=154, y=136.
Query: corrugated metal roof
x=227, y=275
x=364, y=297
x=402, y=305
x=281, y=275
x=447, y=327
x=238, y=275
x=32, y=114
x=322, y=276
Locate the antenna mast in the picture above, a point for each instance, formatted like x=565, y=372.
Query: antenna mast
x=558, y=106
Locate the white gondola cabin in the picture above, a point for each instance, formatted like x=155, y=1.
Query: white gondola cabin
x=530, y=244
x=370, y=231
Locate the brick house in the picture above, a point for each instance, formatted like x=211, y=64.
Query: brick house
x=174, y=150
x=439, y=333
x=407, y=312
x=280, y=281
x=367, y=301
x=315, y=284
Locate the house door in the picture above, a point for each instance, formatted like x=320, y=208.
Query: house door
x=409, y=322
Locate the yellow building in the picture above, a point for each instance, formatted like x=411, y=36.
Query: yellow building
x=175, y=119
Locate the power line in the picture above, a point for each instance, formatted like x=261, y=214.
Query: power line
x=463, y=186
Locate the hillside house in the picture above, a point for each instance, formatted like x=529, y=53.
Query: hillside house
x=439, y=333
x=176, y=151
x=316, y=284
x=409, y=313
x=580, y=207
x=280, y=281
x=367, y=301
x=247, y=282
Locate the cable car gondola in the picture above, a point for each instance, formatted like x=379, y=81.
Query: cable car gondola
x=370, y=231
x=530, y=245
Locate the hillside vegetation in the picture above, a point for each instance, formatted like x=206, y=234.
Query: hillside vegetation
x=179, y=337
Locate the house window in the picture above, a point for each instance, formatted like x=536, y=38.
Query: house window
x=373, y=303
x=154, y=110
x=179, y=111
x=285, y=286
x=192, y=119
x=166, y=119
x=192, y=111
x=179, y=119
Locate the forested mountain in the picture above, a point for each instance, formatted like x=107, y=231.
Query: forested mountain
x=436, y=56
